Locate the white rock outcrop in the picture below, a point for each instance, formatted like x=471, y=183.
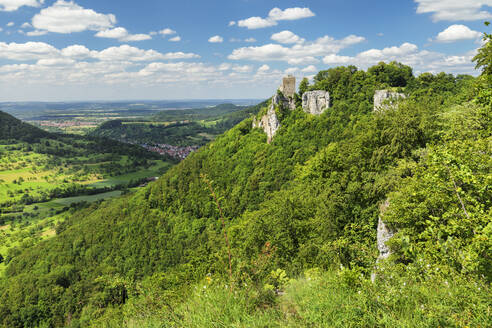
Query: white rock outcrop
x=384, y=234
x=269, y=123
x=315, y=102
x=280, y=101
x=384, y=99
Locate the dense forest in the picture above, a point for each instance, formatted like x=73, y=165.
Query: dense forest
x=249, y=234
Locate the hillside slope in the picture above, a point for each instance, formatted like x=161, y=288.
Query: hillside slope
x=310, y=199
x=43, y=174
x=12, y=128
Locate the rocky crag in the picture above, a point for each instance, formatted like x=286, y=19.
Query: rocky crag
x=315, y=102
x=384, y=234
x=384, y=99
x=268, y=122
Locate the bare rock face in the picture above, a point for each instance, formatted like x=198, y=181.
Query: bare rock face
x=384, y=99
x=384, y=234
x=279, y=100
x=269, y=123
x=315, y=102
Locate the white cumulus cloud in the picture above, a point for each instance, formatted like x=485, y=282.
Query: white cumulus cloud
x=177, y=38
x=27, y=51
x=122, y=34
x=297, y=54
x=263, y=68
x=287, y=37
x=77, y=51
x=225, y=67
x=457, y=33
x=309, y=69
x=167, y=31
x=454, y=10
x=127, y=53
x=408, y=54
x=253, y=23
x=179, y=55
x=242, y=68
x=290, y=13
x=115, y=33
x=13, y=5
x=68, y=17
x=36, y=33
x=275, y=15
x=216, y=39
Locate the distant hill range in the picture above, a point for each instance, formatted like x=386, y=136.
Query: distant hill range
x=13, y=130
x=182, y=127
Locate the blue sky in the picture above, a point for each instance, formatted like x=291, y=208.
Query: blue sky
x=57, y=50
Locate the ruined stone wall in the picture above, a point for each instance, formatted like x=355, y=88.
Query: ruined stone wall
x=269, y=123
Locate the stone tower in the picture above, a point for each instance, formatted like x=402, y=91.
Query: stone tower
x=288, y=86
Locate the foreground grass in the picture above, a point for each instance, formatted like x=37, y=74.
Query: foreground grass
x=322, y=300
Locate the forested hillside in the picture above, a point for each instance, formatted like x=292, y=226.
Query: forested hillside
x=43, y=175
x=249, y=234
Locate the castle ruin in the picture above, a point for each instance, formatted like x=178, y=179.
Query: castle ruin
x=313, y=102
x=288, y=87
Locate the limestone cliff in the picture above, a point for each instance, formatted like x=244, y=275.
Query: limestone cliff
x=315, y=102
x=284, y=100
x=269, y=123
x=384, y=99
x=384, y=234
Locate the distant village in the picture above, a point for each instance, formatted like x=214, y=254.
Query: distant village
x=65, y=124
x=173, y=151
